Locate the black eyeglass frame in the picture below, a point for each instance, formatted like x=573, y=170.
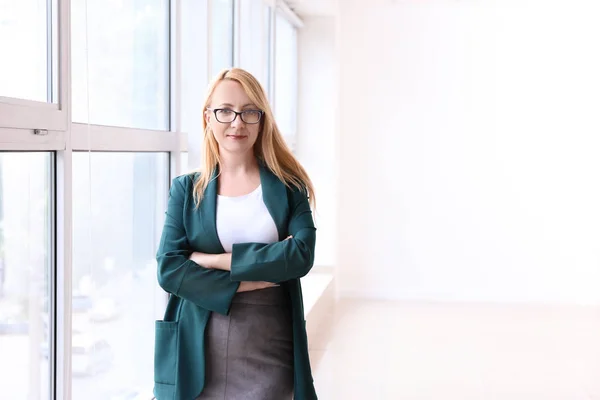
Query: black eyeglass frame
x=240, y=113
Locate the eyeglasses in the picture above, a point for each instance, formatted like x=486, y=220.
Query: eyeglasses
x=227, y=115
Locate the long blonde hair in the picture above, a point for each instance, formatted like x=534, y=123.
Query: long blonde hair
x=270, y=147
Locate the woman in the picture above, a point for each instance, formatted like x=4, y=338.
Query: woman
x=238, y=236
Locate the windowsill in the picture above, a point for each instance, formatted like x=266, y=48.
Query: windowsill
x=319, y=302
x=314, y=286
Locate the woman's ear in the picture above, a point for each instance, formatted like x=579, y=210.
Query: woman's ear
x=207, y=116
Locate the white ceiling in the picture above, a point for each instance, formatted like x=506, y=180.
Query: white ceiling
x=313, y=7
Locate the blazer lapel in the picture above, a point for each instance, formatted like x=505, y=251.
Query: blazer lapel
x=208, y=210
x=275, y=198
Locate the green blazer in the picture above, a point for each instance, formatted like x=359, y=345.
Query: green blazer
x=196, y=292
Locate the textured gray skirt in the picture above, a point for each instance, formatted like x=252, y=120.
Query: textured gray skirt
x=249, y=353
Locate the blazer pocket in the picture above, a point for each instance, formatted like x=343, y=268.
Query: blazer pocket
x=166, y=352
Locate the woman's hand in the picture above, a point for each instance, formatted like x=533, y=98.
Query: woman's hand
x=215, y=261
x=223, y=262
x=212, y=261
x=250, y=286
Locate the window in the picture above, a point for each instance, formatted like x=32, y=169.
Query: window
x=119, y=201
x=269, y=46
x=82, y=204
x=254, y=34
x=33, y=45
x=194, y=75
x=185, y=166
x=120, y=70
x=221, y=35
x=286, y=70
x=25, y=77
x=26, y=258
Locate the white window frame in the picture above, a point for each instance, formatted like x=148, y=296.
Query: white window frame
x=289, y=14
x=250, y=55
x=237, y=12
x=36, y=126
x=283, y=10
x=276, y=7
x=234, y=41
x=190, y=119
x=27, y=114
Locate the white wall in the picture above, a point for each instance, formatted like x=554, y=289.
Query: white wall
x=317, y=112
x=469, y=150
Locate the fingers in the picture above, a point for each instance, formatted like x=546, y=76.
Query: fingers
x=250, y=286
x=244, y=287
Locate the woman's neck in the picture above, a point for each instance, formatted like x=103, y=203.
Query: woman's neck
x=236, y=163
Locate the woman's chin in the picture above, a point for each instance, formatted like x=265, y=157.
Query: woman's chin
x=240, y=148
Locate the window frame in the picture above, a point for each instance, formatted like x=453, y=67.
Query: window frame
x=243, y=56
x=23, y=114
x=37, y=126
x=282, y=10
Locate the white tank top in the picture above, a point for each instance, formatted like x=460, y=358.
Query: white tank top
x=244, y=219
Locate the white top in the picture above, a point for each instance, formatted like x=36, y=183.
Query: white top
x=244, y=219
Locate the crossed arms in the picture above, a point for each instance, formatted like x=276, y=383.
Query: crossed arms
x=211, y=280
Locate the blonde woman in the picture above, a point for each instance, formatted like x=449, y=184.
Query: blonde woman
x=238, y=236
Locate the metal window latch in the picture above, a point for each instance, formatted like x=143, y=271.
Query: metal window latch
x=40, y=132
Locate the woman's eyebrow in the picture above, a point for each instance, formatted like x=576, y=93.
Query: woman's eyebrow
x=231, y=105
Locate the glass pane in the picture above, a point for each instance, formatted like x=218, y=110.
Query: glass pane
x=24, y=49
x=194, y=71
x=269, y=47
x=120, y=62
x=285, y=77
x=222, y=35
x=119, y=201
x=254, y=25
x=185, y=167
x=25, y=261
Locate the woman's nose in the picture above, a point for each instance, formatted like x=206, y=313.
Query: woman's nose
x=237, y=121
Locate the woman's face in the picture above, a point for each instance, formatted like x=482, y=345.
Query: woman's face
x=239, y=135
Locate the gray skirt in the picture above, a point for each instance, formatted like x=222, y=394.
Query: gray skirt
x=249, y=353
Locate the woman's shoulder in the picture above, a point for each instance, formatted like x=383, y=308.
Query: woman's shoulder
x=186, y=181
x=297, y=192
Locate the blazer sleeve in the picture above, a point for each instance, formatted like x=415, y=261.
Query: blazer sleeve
x=284, y=260
x=208, y=288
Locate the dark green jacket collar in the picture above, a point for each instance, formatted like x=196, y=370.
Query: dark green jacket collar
x=274, y=197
